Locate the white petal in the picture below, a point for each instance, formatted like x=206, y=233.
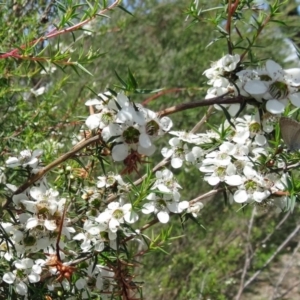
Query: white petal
x=114, y=225
x=148, y=208
x=34, y=277
x=37, y=192
x=233, y=180
x=80, y=283
x=31, y=223
x=131, y=217
x=240, y=196
x=93, y=102
x=176, y=162
x=25, y=263
x=12, y=162
x=255, y=87
x=21, y=288
x=93, y=121
x=260, y=140
x=113, y=205
x=295, y=99
x=249, y=172
x=166, y=123
x=233, y=109
x=213, y=180
x=260, y=196
x=144, y=140
x=174, y=141
x=120, y=152
x=166, y=152
x=37, y=269
x=123, y=100
x=163, y=217
x=274, y=69
x=146, y=151
x=275, y=107
x=50, y=225
x=94, y=230
x=9, y=277
x=183, y=205
x=241, y=136
x=293, y=76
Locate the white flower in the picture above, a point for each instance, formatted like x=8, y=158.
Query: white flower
x=115, y=215
x=194, y=208
x=109, y=181
x=177, y=152
x=275, y=85
x=27, y=272
x=91, y=236
x=26, y=158
x=219, y=165
x=228, y=62
x=163, y=205
x=166, y=183
x=254, y=187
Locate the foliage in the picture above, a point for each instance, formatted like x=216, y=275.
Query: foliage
x=70, y=225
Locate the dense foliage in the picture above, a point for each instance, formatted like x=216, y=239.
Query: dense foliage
x=78, y=219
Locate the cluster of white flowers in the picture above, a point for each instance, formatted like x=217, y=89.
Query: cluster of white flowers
x=271, y=84
x=234, y=161
x=165, y=197
x=26, y=158
x=221, y=78
x=42, y=217
x=103, y=228
x=231, y=156
x=131, y=127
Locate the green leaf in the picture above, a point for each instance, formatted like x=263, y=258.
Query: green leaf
x=125, y=10
x=83, y=68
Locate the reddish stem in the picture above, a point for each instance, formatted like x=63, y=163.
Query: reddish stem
x=54, y=33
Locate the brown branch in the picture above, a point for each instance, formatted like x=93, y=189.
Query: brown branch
x=200, y=103
x=203, y=120
x=283, y=244
x=56, y=162
x=161, y=93
x=55, y=33
x=247, y=258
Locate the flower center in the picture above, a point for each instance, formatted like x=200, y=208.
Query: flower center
x=152, y=128
x=279, y=90
x=118, y=214
x=254, y=127
x=251, y=186
x=131, y=135
x=160, y=204
x=107, y=117
x=220, y=172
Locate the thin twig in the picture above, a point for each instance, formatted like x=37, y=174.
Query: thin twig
x=247, y=258
x=200, y=103
x=56, y=162
x=203, y=120
x=287, y=267
x=286, y=241
x=55, y=33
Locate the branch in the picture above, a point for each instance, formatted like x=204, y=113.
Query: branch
x=54, y=33
x=56, y=162
x=247, y=258
x=200, y=103
x=287, y=240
